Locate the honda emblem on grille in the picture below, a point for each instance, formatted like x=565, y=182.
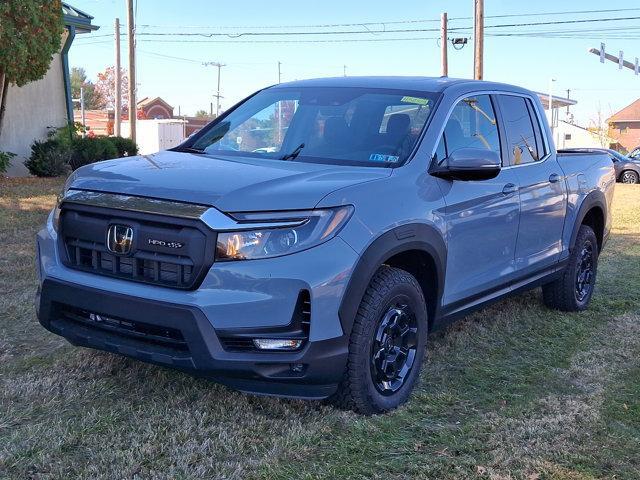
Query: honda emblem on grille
x=119, y=239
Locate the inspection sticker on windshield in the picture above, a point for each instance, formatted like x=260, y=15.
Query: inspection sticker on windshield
x=415, y=100
x=380, y=157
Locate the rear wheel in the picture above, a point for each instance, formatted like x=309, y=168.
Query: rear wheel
x=573, y=290
x=387, y=344
x=629, y=176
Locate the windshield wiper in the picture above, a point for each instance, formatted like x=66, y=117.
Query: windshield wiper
x=188, y=149
x=294, y=154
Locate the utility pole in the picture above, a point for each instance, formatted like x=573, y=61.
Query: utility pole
x=478, y=41
x=132, y=71
x=118, y=80
x=217, y=96
x=344, y=70
x=279, y=107
x=551, y=116
x=84, y=121
x=443, y=46
x=81, y=101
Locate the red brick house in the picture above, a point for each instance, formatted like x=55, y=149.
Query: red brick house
x=154, y=108
x=624, y=127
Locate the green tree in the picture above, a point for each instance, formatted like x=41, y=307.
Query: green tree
x=201, y=113
x=92, y=99
x=30, y=33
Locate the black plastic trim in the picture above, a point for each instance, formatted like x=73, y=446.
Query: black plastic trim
x=256, y=372
x=414, y=236
x=594, y=199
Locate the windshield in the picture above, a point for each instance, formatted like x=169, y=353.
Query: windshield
x=619, y=156
x=338, y=125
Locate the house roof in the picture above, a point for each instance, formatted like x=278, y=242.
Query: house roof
x=556, y=102
x=630, y=113
x=77, y=18
x=148, y=101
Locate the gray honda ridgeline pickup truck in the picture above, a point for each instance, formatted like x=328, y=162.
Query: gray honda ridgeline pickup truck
x=305, y=242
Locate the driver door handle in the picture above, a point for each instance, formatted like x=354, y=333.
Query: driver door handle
x=554, y=178
x=510, y=188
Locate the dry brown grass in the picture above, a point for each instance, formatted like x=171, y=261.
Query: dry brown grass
x=514, y=391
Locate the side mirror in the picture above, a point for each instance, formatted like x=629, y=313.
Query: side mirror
x=469, y=164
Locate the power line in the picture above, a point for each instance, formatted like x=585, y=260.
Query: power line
x=369, y=31
x=383, y=23
x=392, y=22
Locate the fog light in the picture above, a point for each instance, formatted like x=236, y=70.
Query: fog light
x=277, y=343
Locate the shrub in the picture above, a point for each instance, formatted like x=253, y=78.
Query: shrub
x=125, y=146
x=90, y=150
x=5, y=161
x=66, y=135
x=48, y=159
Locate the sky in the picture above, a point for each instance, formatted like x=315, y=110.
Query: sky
x=171, y=66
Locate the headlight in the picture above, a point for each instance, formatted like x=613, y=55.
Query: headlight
x=55, y=219
x=313, y=227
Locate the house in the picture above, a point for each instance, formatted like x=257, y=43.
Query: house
x=35, y=107
x=101, y=122
x=154, y=108
x=624, y=127
x=570, y=135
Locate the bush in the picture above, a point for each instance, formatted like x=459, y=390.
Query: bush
x=87, y=150
x=48, y=159
x=125, y=146
x=65, y=147
x=5, y=161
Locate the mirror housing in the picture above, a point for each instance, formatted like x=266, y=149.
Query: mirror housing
x=469, y=164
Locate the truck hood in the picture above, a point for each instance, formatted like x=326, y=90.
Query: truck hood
x=231, y=184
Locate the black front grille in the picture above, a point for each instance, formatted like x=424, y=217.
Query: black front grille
x=139, y=332
x=161, y=269
x=238, y=344
x=152, y=259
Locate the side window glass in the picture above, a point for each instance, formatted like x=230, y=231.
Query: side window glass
x=521, y=139
x=540, y=148
x=472, y=124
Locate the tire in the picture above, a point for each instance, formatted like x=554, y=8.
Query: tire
x=393, y=297
x=629, y=176
x=572, y=292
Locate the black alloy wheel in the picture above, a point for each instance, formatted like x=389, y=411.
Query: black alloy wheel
x=585, y=274
x=393, y=351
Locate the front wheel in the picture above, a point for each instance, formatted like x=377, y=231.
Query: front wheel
x=386, y=346
x=629, y=176
x=573, y=290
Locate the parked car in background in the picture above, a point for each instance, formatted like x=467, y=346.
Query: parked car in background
x=308, y=253
x=627, y=168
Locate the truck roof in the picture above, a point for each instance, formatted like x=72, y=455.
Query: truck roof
x=426, y=84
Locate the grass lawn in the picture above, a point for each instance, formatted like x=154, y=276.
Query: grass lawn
x=513, y=391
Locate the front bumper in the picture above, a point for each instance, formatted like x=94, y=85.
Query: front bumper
x=312, y=372
x=235, y=298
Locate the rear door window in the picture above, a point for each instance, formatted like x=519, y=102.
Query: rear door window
x=522, y=147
